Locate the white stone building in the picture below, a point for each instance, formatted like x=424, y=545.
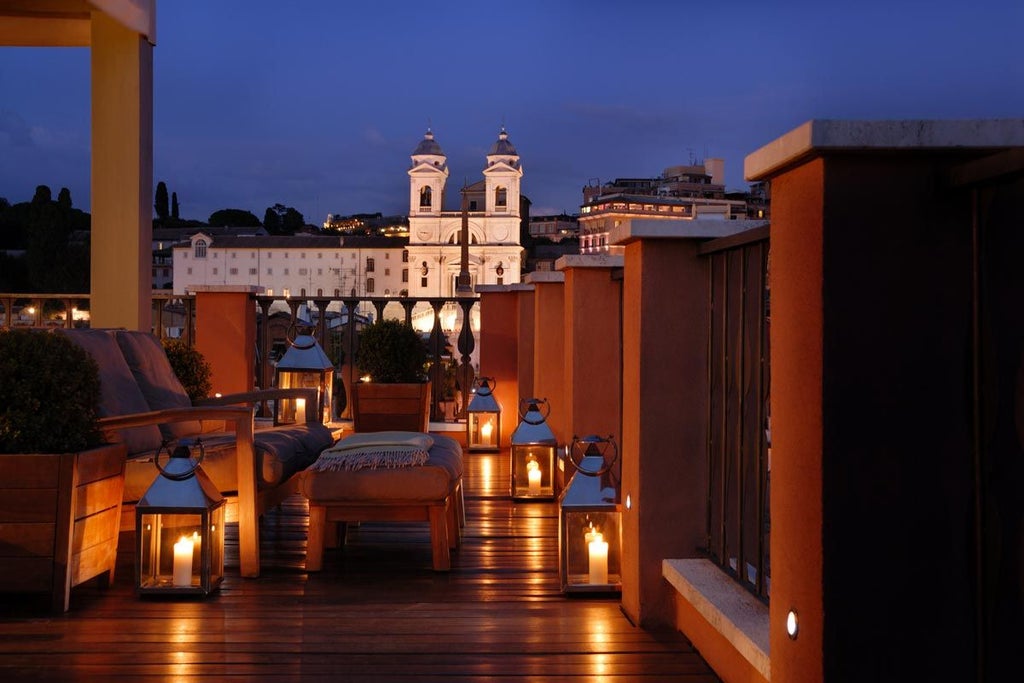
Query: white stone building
x=299, y=265
x=494, y=211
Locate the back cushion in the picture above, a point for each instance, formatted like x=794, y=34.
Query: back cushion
x=119, y=393
x=153, y=373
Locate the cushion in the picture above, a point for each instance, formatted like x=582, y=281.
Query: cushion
x=280, y=453
x=160, y=386
x=119, y=392
x=373, y=450
x=432, y=481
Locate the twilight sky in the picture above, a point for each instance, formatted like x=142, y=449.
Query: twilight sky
x=318, y=104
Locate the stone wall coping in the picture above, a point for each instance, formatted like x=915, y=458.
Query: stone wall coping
x=590, y=261
x=697, y=228
x=821, y=135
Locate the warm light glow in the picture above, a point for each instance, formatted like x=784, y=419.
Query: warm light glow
x=598, y=551
x=31, y=310
x=485, y=433
x=364, y=378
x=300, y=410
x=792, y=624
x=218, y=394
x=533, y=476
x=629, y=502
x=183, y=551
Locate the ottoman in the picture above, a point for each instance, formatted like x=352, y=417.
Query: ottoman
x=386, y=476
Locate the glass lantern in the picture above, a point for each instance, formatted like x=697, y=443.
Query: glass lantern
x=305, y=366
x=533, y=453
x=590, y=520
x=483, y=417
x=179, y=528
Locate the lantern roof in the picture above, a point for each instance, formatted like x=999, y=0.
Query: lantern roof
x=587, y=490
x=182, y=484
x=304, y=353
x=533, y=429
x=483, y=401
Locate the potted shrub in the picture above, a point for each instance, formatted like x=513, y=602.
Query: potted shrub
x=396, y=394
x=190, y=367
x=61, y=485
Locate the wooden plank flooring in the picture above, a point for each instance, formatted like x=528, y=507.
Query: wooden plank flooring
x=377, y=612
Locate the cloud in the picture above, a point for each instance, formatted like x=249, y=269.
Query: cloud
x=14, y=131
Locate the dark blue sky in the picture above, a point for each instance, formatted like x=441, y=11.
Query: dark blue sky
x=318, y=105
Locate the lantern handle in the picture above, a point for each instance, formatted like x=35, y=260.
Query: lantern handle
x=485, y=383
x=532, y=401
x=181, y=476
x=605, y=464
x=292, y=333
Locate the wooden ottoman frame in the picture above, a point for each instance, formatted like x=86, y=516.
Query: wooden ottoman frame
x=327, y=520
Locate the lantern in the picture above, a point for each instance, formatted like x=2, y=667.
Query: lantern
x=483, y=417
x=179, y=528
x=304, y=365
x=590, y=520
x=533, y=453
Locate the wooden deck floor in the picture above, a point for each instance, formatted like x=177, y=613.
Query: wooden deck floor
x=377, y=612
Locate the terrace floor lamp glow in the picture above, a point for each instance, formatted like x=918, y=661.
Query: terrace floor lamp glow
x=533, y=452
x=179, y=528
x=304, y=365
x=483, y=417
x=590, y=520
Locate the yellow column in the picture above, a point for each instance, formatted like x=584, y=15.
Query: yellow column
x=122, y=175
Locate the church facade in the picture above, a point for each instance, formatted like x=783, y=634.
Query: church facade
x=492, y=207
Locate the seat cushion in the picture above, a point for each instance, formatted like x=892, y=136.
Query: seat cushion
x=119, y=392
x=156, y=379
x=280, y=453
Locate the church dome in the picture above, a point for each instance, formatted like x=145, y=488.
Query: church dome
x=503, y=146
x=428, y=145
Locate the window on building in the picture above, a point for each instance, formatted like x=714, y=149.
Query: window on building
x=369, y=285
x=201, y=248
x=425, y=197
x=234, y=254
x=423, y=282
x=270, y=271
x=286, y=292
x=252, y=271
x=303, y=271
x=216, y=271
x=233, y=271
x=405, y=256
x=286, y=271
x=369, y=265
x=302, y=292
x=189, y=271
x=387, y=272
x=500, y=197
x=472, y=205
x=270, y=292
x=405, y=275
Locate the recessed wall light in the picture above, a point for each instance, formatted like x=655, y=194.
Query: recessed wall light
x=792, y=624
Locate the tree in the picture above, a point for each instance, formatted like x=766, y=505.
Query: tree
x=161, y=201
x=292, y=222
x=64, y=199
x=42, y=195
x=271, y=221
x=174, y=205
x=234, y=218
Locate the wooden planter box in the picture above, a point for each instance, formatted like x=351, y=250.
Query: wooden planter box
x=379, y=407
x=60, y=516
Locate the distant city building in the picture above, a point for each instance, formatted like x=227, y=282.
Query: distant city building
x=164, y=240
x=680, y=193
x=368, y=224
x=495, y=208
x=295, y=266
x=554, y=228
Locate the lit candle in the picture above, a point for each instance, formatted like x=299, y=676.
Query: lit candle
x=485, y=433
x=300, y=410
x=598, y=560
x=183, y=550
x=533, y=475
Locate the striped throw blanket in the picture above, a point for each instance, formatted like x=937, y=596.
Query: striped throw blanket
x=373, y=450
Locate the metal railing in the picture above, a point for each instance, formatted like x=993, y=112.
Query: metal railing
x=739, y=434
x=447, y=323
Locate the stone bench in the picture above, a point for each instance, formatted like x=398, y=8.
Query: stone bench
x=429, y=492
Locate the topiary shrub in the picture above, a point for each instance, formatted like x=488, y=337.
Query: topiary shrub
x=391, y=351
x=51, y=394
x=190, y=367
